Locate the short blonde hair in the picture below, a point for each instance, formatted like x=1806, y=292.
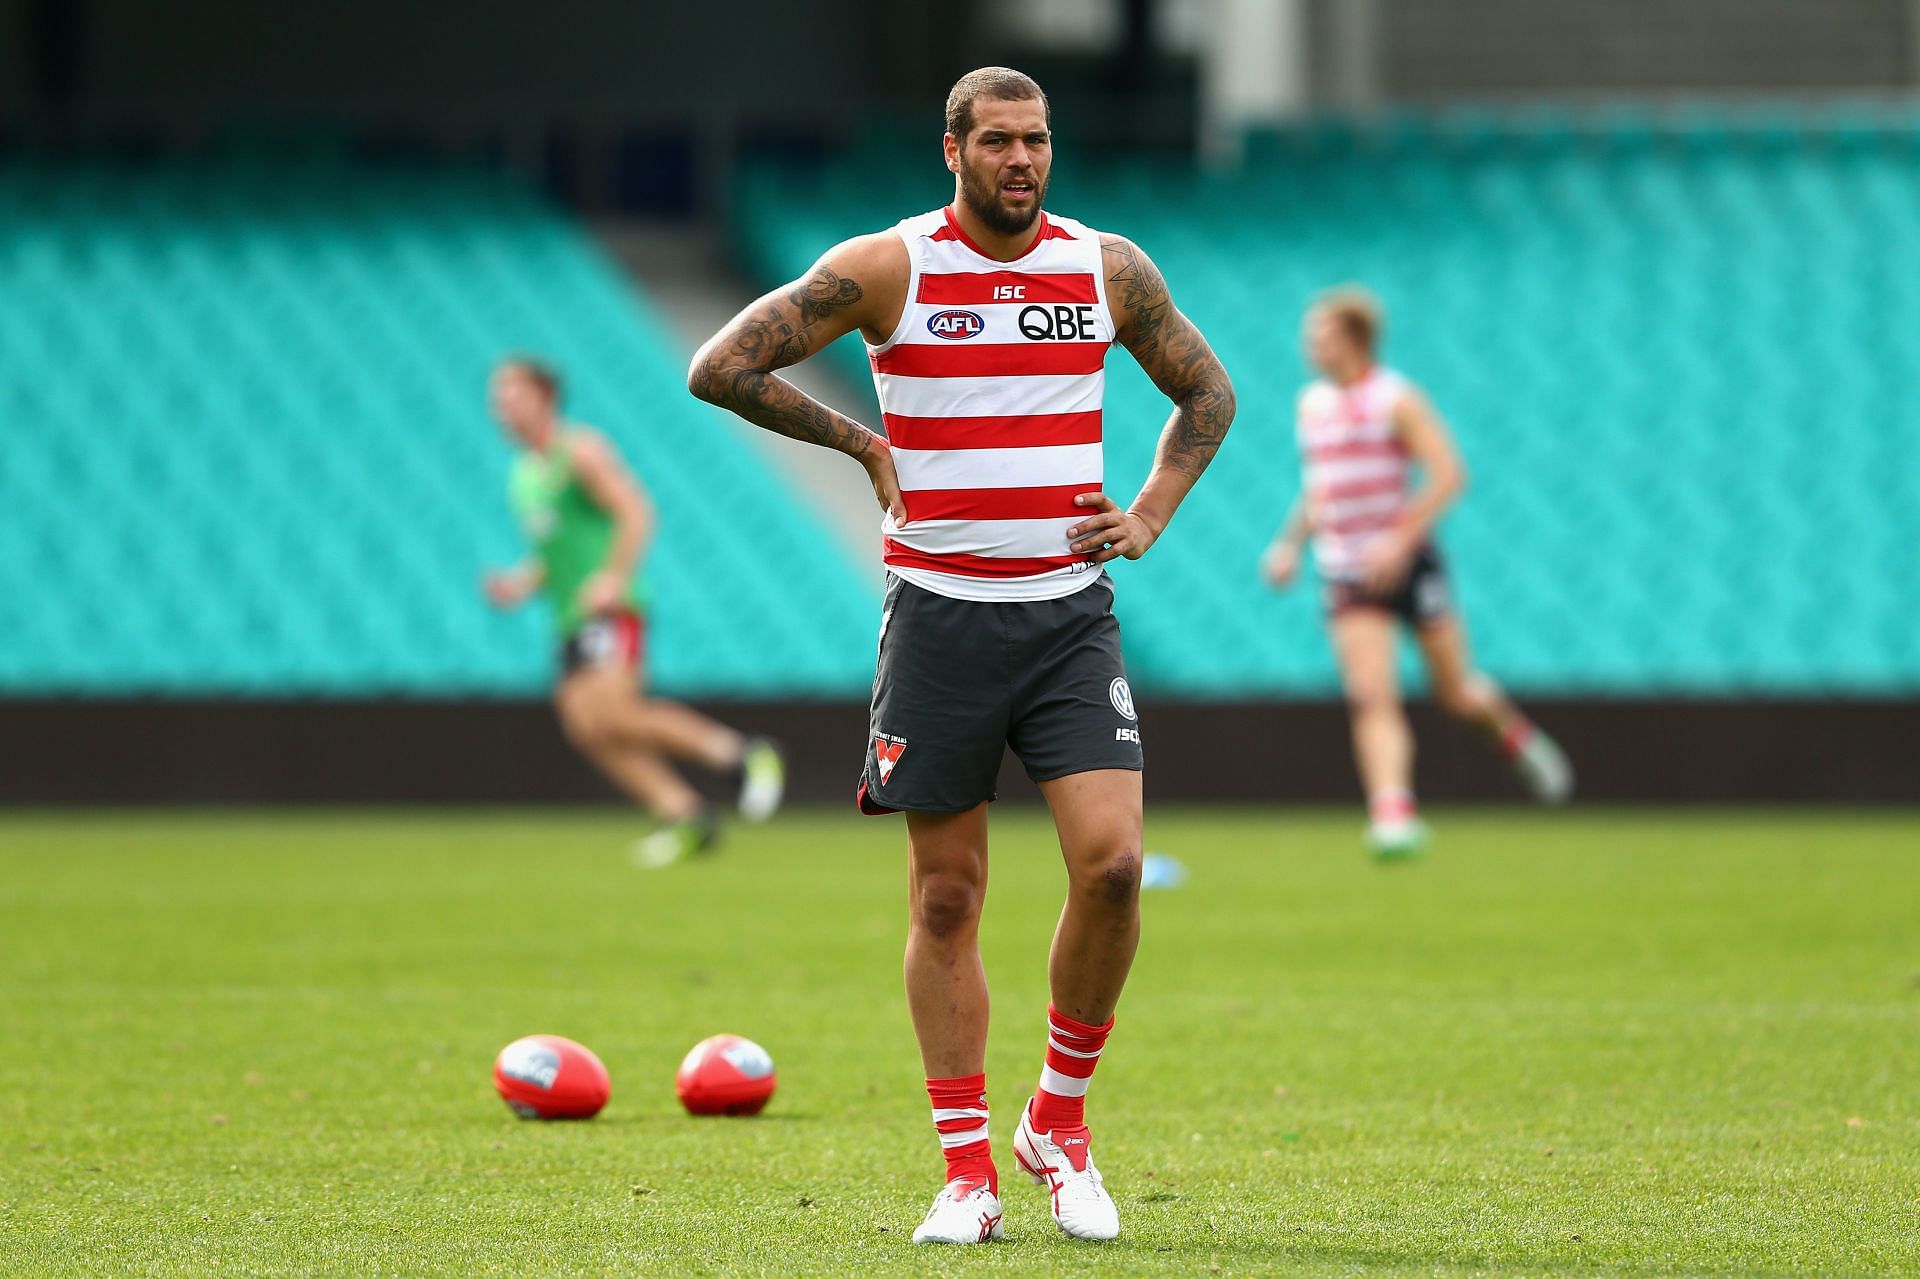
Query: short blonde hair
x=1357, y=311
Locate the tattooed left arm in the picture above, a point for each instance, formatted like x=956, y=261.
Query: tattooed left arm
x=1175, y=355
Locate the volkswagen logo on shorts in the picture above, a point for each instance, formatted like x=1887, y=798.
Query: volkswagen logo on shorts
x=956, y=326
x=1122, y=698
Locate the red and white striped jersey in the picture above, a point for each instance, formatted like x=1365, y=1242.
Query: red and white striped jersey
x=991, y=390
x=1356, y=470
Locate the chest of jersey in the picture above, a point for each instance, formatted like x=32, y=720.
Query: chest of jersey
x=1356, y=468
x=535, y=489
x=1009, y=308
x=978, y=337
x=1333, y=418
x=991, y=387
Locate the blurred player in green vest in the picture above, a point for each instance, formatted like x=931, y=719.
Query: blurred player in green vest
x=589, y=523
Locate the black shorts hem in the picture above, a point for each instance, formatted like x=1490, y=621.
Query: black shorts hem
x=1422, y=598
x=1132, y=767
x=864, y=800
x=1363, y=606
x=615, y=640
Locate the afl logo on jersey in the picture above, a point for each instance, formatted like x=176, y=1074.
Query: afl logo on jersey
x=956, y=326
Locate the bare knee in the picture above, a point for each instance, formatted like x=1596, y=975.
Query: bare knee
x=1368, y=698
x=946, y=904
x=585, y=732
x=1457, y=702
x=1112, y=879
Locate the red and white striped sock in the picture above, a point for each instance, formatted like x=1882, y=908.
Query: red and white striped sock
x=960, y=1117
x=1073, y=1050
x=1515, y=739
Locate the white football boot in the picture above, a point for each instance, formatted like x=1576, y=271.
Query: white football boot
x=1062, y=1161
x=1397, y=838
x=965, y=1211
x=763, y=780
x=677, y=841
x=1544, y=767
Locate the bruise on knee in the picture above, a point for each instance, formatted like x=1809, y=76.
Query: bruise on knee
x=1111, y=881
x=945, y=905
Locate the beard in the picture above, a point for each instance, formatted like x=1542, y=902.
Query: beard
x=983, y=197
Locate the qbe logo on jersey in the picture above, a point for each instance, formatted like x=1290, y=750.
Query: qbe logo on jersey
x=1059, y=323
x=956, y=326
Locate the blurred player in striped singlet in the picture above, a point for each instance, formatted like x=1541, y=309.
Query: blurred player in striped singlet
x=1363, y=430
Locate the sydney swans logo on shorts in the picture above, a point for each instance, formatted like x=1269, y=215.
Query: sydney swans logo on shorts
x=886, y=753
x=956, y=326
x=1122, y=698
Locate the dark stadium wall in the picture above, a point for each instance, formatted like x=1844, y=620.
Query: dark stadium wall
x=464, y=62
x=86, y=753
x=1488, y=48
x=457, y=62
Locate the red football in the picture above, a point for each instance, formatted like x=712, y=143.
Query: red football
x=551, y=1077
x=726, y=1075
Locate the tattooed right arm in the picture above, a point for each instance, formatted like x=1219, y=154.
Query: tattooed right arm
x=855, y=285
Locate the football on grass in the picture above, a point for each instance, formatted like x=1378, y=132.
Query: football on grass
x=551, y=1077
x=726, y=1075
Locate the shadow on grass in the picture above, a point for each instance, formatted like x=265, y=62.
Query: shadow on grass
x=631, y=1120
x=1261, y=1256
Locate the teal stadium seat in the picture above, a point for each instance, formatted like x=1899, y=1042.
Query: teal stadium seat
x=1679, y=353
x=246, y=449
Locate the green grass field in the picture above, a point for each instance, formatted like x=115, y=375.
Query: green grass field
x=1607, y=1044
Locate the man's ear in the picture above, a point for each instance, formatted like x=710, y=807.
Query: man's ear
x=951, y=149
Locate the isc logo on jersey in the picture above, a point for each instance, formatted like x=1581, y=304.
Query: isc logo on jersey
x=956, y=326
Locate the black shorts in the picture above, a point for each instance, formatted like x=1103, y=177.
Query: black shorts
x=617, y=639
x=961, y=680
x=1423, y=597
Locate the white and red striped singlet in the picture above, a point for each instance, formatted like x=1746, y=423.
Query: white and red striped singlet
x=991, y=389
x=1356, y=469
